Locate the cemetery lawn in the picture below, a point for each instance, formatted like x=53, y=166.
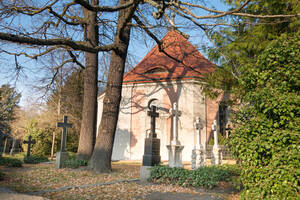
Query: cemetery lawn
x=39, y=177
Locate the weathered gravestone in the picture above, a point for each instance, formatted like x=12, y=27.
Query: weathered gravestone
x=216, y=153
x=29, y=142
x=152, y=146
x=198, y=153
x=175, y=148
x=63, y=155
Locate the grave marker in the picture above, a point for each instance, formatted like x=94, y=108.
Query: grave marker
x=198, y=153
x=175, y=149
x=63, y=155
x=151, y=155
x=216, y=154
x=29, y=142
x=175, y=113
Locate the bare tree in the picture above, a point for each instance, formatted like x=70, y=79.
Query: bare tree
x=62, y=19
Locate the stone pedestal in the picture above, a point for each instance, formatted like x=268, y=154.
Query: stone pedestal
x=198, y=158
x=151, y=152
x=145, y=173
x=216, y=158
x=60, y=158
x=175, y=155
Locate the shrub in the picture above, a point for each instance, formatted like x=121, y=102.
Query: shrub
x=74, y=163
x=10, y=162
x=266, y=134
x=42, y=137
x=2, y=175
x=35, y=159
x=207, y=177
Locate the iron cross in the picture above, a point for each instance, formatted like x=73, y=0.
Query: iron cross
x=64, y=125
x=29, y=142
x=153, y=114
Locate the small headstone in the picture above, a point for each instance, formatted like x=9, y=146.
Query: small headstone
x=151, y=155
x=63, y=155
x=216, y=153
x=175, y=149
x=29, y=142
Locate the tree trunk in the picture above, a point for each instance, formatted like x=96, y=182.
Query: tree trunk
x=53, y=145
x=89, y=110
x=101, y=158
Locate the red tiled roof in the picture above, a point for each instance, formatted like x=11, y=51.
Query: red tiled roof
x=157, y=66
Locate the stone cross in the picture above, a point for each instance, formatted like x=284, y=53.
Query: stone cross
x=153, y=114
x=216, y=154
x=175, y=113
x=64, y=125
x=214, y=128
x=29, y=142
x=198, y=126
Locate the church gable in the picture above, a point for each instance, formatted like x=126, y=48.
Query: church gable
x=157, y=66
x=168, y=81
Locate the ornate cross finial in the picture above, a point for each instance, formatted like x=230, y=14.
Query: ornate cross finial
x=198, y=123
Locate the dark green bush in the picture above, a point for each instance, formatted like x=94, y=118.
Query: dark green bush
x=10, y=162
x=207, y=177
x=2, y=175
x=35, y=159
x=74, y=163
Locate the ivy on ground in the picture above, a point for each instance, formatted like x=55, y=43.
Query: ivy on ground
x=207, y=177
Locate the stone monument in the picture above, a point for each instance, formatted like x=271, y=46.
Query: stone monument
x=198, y=153
x=216, y=153
x=62, y=155
x=29, y=142
x=151, y=155
x=175, y=148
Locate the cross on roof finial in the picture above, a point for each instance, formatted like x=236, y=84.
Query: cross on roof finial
x=172, y=21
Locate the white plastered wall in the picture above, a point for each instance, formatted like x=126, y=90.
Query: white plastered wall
x=133, y=120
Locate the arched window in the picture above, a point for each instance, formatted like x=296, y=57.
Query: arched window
x=156, y=70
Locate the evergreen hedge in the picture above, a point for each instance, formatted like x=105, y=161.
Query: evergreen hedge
x=266, y=137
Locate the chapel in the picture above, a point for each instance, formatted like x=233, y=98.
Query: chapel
x=170, y=77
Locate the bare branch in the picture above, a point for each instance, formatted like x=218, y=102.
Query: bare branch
x=75, y=60
x=51, y=42
x=88, y=6
x=234, y=12
x=29, y=10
